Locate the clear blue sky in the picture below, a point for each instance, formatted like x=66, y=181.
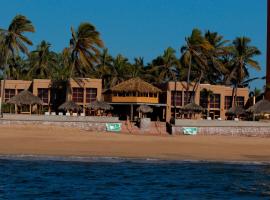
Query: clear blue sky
x=142, y=27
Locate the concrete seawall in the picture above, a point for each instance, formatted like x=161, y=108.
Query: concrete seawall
x=230, y=128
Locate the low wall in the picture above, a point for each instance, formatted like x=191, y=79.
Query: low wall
x=56, y=118
x=90, y=123
x=250, y=131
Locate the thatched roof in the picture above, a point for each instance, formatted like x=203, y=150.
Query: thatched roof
x=145, y=109
x=236, y=111
x=192, y=108
x=96, y=105
x=135, y=85
x=25, y=98
x=70, y=105
x=262, y=106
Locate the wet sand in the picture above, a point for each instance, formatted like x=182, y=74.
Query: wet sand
x=57, y=141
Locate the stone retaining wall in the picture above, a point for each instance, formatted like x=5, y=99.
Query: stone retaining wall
x=252, y=131
x=90, y=126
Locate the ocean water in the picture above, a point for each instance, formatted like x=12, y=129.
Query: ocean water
x=112, y=178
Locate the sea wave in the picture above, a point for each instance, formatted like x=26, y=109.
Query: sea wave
x=102, y=159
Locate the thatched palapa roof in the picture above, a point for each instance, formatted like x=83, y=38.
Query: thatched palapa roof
x=96, y=105
x=135, y=85
x=262, y=106
x=236, y=111
x=25, y=98
x=144, y=109
x=70, y=105
x=192, y=108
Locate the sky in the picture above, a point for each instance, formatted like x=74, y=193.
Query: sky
x=143, y=28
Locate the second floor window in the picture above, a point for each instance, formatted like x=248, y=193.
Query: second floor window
x=77, y=95
x=9, y=93
x=43, y=94
x=91, y=95
x=215, y=101
x=176, y=98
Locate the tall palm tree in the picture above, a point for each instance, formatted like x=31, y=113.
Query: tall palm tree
x=104, y=69
x=242, y=57
x=217, y=68
x=13, y=42
x=206, y=94
x=42, y=61
x=84, y=48
x=194, y=55
x=120, y=70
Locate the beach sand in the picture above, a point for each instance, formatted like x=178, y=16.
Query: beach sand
x=57, y=141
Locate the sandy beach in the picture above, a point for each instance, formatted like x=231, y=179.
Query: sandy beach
x=57, y=141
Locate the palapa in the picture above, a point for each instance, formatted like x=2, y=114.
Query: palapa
x=25, y=98
x=238, y=110
x=192, y=108
x=135, y=85
x=262, y=106
x=144, y=109
x=70, y=105
x=100, y=105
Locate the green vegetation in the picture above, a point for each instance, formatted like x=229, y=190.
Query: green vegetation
x=205, y=58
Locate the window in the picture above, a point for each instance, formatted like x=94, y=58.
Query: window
x=215, y=101
x=228, y=102
x=240, y=101
x=177, y=96
x=19, y=91
x=203, y=100
x=9, y=93
x=77, y=95
x=187, y=97
x=43, y=94
x=91, y=95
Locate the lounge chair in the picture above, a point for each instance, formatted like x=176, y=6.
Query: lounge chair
x=67, y=114
x=60, y=114
x=47, y=113
x=74, y=114
x=53, y=113
x=82, y=114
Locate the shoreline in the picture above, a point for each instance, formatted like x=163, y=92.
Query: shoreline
x=50, y=141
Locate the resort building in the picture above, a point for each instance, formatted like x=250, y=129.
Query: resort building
x=218, y=100
x=82, y=91
x=127, y=96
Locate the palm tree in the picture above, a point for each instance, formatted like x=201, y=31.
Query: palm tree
x=13, y=41
x=137, y=68
x=194, y=56
x=206, y=94
x=84, y=49
x=241, y=59
x=216, y=69
x=104, y=69
x=42, y=61
x=120, y=70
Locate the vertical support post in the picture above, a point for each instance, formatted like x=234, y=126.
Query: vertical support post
x=267, y=88
x=131, y=112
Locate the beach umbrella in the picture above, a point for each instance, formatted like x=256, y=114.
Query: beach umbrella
x=236, y=111
x=192, y=108
x=25, y=98
x=144, y=109
x=96, y=105
x=262, y=106
x=70, y=105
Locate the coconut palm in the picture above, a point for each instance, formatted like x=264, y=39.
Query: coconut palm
x=242, y=54
x=84, y=49
x=13, y=42
x=194, y=55
x=216, y=68
x=42, y=61
x=206, y=95
x=104, y=69
x=120, y=70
